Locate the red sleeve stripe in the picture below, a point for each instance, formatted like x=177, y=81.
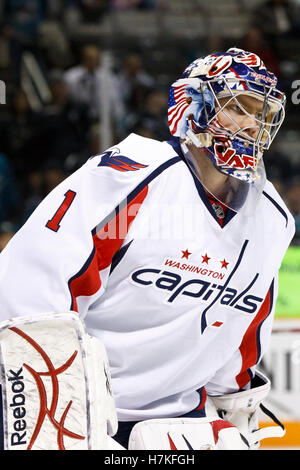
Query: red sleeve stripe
x=86, y=281
x=250, y=346
x=203, y=397
x=107, y=241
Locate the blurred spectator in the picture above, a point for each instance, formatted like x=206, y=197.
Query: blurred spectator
x=7, y=231
x=18, y=134
x=54, y=48
x=21, y=21
x=292, y=200
x=278, y=164
x=41, y=143
x=133, y=80
x=24, y=16
x=32, y=194
x=126, y=4
x=64, y=124
x=39, y=184
x=5, y=59
x=143, y=131
x=93, y=10
x=84, y=84
x=9, y=191
x=152, y=121
x=276, y=19
x=254, y=41
x=53, y=176
x=214, y=43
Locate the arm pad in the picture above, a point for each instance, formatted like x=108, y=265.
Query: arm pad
x=242, y=409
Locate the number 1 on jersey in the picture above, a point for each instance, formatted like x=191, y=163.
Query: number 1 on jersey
x=54, y=223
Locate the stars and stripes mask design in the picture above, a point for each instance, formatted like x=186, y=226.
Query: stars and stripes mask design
x=204, y=92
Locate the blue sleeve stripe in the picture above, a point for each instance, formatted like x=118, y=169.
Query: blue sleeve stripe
x=278, y=207
x=119, y=256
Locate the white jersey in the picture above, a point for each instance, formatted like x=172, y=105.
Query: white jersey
x=131, y=242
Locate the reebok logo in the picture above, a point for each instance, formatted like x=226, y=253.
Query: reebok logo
x=17, y=406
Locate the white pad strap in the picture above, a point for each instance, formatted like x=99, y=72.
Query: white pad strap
x=269, y=431
x=55, y=384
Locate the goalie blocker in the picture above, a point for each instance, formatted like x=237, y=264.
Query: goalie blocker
x=55, y=382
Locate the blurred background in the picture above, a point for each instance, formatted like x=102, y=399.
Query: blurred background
x=81, y=75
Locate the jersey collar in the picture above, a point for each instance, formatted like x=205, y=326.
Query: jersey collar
x=175, y=143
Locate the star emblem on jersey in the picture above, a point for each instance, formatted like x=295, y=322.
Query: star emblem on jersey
x=185, y=254
x=224, y=263
x=205, y=258
x=113, y=159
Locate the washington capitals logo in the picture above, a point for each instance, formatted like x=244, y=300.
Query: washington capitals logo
x=113, y=159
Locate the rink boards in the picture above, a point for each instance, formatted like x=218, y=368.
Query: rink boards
x=282, y=365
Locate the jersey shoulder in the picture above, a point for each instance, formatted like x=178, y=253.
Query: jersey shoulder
x=127, y=168
x=133, y=154
x=277, y=210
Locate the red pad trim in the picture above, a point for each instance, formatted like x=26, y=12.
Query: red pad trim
x=218, y=425
x=172, y=445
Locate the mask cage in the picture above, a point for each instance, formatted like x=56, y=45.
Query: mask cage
x=266, y=126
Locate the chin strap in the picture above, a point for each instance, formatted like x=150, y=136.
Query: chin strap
x=199, y=140
x=214, y=132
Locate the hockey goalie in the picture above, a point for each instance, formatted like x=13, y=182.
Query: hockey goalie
x=138, y=299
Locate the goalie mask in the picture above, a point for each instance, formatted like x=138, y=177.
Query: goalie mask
x=228, y=105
